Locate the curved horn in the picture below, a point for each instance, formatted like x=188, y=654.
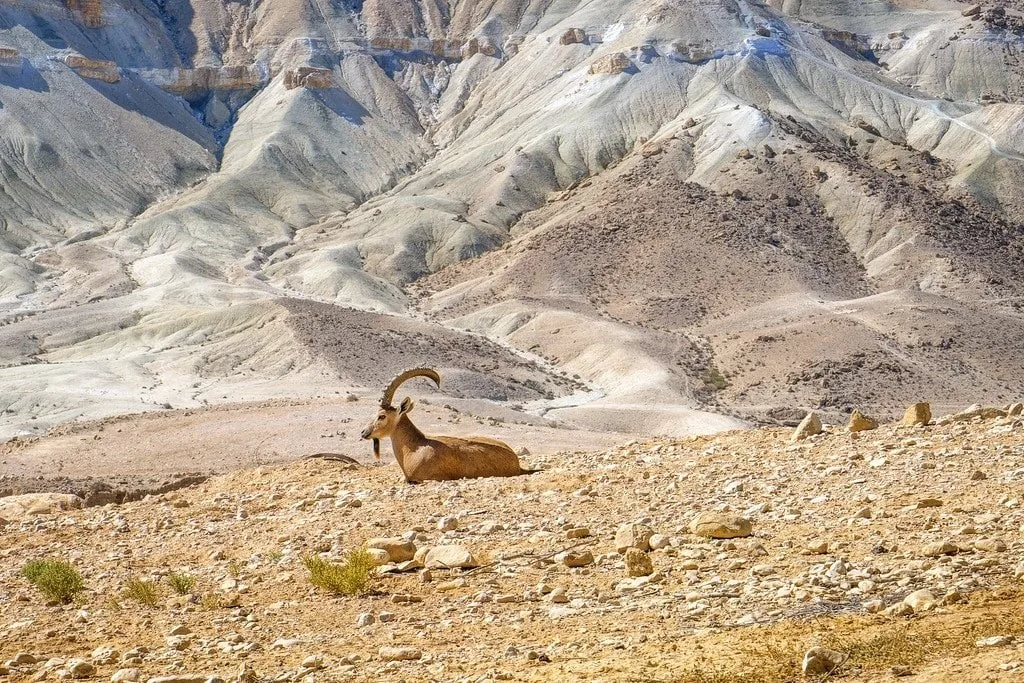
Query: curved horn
x=389, y=392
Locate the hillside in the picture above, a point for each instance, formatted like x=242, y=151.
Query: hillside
x=899, y=547
x=656, y=217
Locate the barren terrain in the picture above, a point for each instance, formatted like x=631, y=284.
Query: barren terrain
x=900, y=547
x=661, y=217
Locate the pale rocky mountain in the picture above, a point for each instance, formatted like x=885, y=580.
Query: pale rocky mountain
x=657, y=217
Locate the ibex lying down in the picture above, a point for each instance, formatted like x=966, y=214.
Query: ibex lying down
x=424, y=458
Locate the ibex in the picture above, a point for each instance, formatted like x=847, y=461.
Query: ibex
x=439, y=458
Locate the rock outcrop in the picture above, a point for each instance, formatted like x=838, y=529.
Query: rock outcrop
x=613, y=64
x=573, y=36
x=90, y=11
x=189, y=82
x=9, y=56
x=96, y=69
x=308, y=77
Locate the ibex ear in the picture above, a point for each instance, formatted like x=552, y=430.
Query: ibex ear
x=406, y=406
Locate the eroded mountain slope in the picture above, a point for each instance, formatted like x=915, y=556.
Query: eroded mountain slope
x=707, y=200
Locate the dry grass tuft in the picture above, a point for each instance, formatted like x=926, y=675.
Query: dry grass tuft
x=142, y=592
x=181, y=583
x=352, y=577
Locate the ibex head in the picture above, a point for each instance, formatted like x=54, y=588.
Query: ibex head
x=384, y=424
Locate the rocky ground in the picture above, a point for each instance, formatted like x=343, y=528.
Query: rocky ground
x=899, y=548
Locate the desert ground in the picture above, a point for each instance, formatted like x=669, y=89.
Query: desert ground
x=899, y=548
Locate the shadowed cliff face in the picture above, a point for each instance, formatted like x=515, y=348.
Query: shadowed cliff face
x=728, y=206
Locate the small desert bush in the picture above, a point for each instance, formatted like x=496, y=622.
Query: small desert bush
x=234, y=569
x=210, y=602
x=351, y=577
x=142, y=592
x=181, y=583
x=56, y=579
x=714, y=379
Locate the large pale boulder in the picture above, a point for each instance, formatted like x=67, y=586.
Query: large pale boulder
x=615, y=63
x=633, y=536
x=721, y=525
x=449, y=557
x=809, y=426
x=27, y=504
x=859, y=422
x=917, y=414
x=398, y=549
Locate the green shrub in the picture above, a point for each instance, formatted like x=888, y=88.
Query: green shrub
x=143, y=592
x=56, y=579
x=351, y=577
x=714, y=379
x=182, y=583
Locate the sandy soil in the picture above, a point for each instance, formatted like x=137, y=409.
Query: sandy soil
x=843, y=528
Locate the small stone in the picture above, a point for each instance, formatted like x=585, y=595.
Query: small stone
x=820, y=661
x=809, y=426
x=575, y=558
x=400, y=654
x=178, y=642
x=939, y=548
x=397, y=548
x=720, y=525
x=247, y=674
x=873, y=606
x=449, y=557
x=558, y=596
x=901, y=670
x=126, y=676
x=928, y=503
x=859, y=422
x=386, y=617
x=365, y=619
x=180, y=630
x=917, y=414
x=452, y=585
x=633, y=536
x=79, y=668
x=900, y=609
x=578, y=532
x=313, y=662
x=23, y=658
x=659, y=542
x=638, y=563
x=818, y=547
x=920, y=601
x=448, y=524
x=990, y=545
x=978, y=475
x=994, y=641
